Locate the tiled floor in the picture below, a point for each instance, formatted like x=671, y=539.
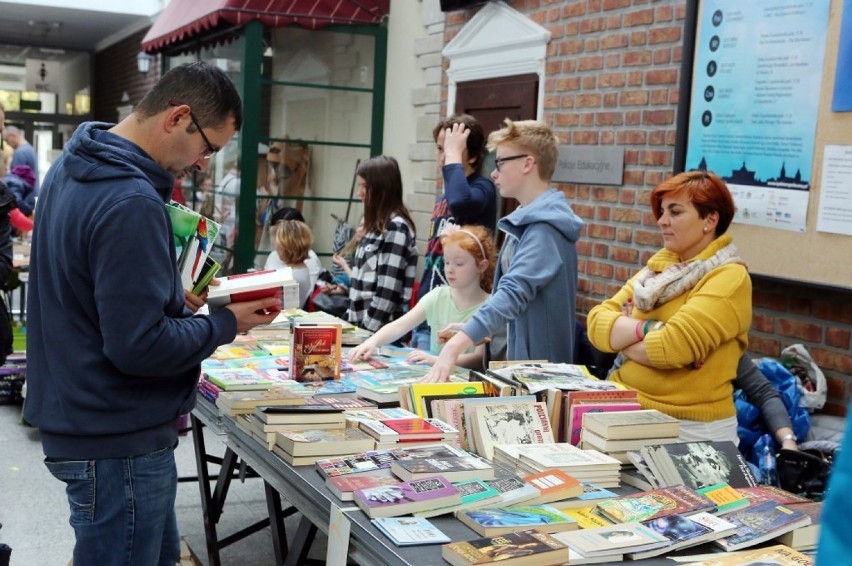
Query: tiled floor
x=34, y=510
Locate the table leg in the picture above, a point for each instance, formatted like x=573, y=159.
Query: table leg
x=301, y=543
x=210, y=535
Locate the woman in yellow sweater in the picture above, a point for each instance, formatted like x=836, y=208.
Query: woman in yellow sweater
x=681, y=324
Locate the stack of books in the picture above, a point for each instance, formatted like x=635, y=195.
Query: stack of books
x=316, y=351
x=695, y=464
x=402, y=432
x=403, y=498
x=268, y=420
x=576, y=404
x=616, y=432
x=585, y=465
x=306, y=447
x=232, y=403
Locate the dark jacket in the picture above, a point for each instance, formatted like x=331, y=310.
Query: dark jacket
x=113, y=355
x=24, y=193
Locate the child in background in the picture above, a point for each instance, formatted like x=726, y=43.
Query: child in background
x=293, y=240
x=469, y=262
x=536, y=284
x=345, y=255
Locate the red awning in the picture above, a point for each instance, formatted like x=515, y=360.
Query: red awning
x=184, y=19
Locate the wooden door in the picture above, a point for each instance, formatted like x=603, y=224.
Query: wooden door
x=493, y=100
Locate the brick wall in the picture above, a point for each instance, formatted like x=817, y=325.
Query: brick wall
x=116, y=73
x=613, y=69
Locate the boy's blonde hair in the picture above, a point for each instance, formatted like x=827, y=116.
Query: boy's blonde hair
x=294, y=240
x=533, y=137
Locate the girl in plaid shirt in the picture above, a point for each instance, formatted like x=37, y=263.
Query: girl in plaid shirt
x=386, y=259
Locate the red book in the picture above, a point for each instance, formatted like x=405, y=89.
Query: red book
x=254, y=285
x=414, y=429
x=316, y=351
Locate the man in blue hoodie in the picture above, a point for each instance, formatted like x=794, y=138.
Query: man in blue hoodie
x=113, y=351
x=535, y=285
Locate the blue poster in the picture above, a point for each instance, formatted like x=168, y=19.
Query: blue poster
x=842, y=100
x=755, y=96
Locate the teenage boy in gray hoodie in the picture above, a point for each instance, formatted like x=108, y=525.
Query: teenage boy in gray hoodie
x=535, y=285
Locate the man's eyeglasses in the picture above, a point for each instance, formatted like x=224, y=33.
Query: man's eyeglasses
x=500, y=160
x=211, y=149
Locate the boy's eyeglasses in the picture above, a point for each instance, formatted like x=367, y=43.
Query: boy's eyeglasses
x=500, y=160
x=211, y=149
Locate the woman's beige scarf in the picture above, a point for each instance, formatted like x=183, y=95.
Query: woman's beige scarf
x=652, y=288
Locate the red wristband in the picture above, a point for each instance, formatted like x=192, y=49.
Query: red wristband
x=638, y=329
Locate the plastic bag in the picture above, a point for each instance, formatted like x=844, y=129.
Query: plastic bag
x=810, y=379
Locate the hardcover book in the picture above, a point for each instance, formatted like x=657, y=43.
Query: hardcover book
x=277, y=283
x=521, y=548
x=316, y=351
x=497, y=521
x=453, y=468
x=510, y=423
x=407, y=497
x=300, y=414
x=759, y=523
x=406, y=531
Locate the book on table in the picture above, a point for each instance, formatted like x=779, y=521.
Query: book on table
x=316, y=351
x=509, y=423
x=378, y=461
x=500, y=520
x=475, y=494
x=513, y=490
x=699, y=464
x=344, y=487
x=592, y=495
x=454, y=468
x=654, y=504
x=580, y=409
x=684, y=532
x=522, y=548
x=591, y=440
x=586, y=517
x=553, y=485
x=760, y=493
x=612, y=540
x=777, y=555
x=324, y=442
x=419, y=390
x=804, y=538
x=270, y=283
x=725, y=497
x=240, y=402
x=759, y=523
x=571, y=398
x=645, y=423
x=300, y=414
x=241, y=379
x=406, y=531
x=404, y=498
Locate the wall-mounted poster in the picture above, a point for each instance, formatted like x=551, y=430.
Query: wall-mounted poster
x=755, y=96
x=842, y=100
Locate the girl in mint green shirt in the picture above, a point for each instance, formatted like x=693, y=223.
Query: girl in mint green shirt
x=469, y=262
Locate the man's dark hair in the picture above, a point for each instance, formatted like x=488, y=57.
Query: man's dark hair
x=475, y=140
x=286, y=213
x=205, y=88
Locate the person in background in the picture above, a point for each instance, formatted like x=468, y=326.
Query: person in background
x=113, y=352
x=345, y=255
x=21, y=181
x=293, y=241
x=691, y=312
x=23, y=153
x=386, y=259
x=7, y=206
x=273, y=260
x=536, y=281
x=469, y=263
x=20, y=222
x=467, y=197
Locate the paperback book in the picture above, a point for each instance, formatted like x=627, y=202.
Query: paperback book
x=684, y=532
x=404, y=498
x=344, y=487
x=324, y=442
x=528, y=547
x=497, y=521
x=270, y=283
x=453, y=468
x=474, y=495
x=699, y=464
x=510, y=423
x=655, y=504
x=759, y=523
x=407, y=531
x=613, y=540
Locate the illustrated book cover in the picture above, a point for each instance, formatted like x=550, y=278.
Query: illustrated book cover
x=510, y=423
x=759, y=523
x=407, y=497
x=407, y=531
x=316, y=351
x=496, y=521
x=528, y=547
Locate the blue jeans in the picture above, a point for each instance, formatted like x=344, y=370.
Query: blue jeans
x=122, y=509
x=422, y=339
